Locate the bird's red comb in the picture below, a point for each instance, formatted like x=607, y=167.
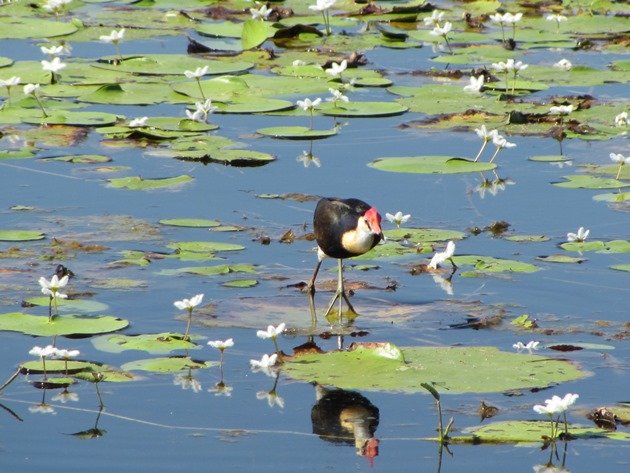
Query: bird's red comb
x=374, y=218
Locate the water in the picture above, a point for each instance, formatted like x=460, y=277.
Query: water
x=154, y=423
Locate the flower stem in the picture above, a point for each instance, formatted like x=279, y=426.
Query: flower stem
x=186, y=337
x=203, y=96
x=619, y=170
x=483, y=146
x=39, y=102
x=448, y=44
x=495, y=154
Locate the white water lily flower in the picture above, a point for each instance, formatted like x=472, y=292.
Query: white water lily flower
x=266, y=362
x=622, y=119
x=561, y=110
x=486, y=135
x=261, y=13
x=136, y=122
x=52, y=50
x=10, y=82
x=221, y=344
x=271, y=332
x=67, y=354
x=51, y=288
x=620, y=158
x=476, y=84
x=323, y=5
x=442, y=30
x=53, y=66
x=189, y=304
x=197, y=115
x=337, y=95
x=512, y=65
x=197, y=73
x=44, y=352
x=556, y=17
x=563, y=64
x=580, y=236
x=114, y=37
x=506, y=18
x=500, y=142
x=30, y=89
x=336, y=69
x=531, y=346
x=298, y=62
x=398, y=218
x=441, y=256
x=499, y=66
x=55, y=6
x=308, y=104
x=556, y=405
x=435, y=18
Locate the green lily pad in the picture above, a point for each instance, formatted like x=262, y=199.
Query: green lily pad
x=561, y=259
x=581, y=181
x=210, y=270
x=621, y=267
x=417, y=235
x=15, y=27
x=139, y=183
x=73, y=118
x=254, y=104
x=520, y=431
x=154, y=343
x=550, y=158
x=527, y=238
x=612, y=246
x=55, y=366
x=82, y=159
x=391, y=249
x=190, y=222
x=67, y=305
x=453, y=369
x=173, y=64
x=241, y=283
x=296, y=132
x=172, y=364
x=489, y=264
x=256, y=32
x=430, y=165
x=21, y=235
x=70, y=324
x=204, y=246
x=362, y=109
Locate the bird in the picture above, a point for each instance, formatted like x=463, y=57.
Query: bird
x=343, y=228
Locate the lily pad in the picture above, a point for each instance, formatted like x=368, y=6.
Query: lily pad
x=241, y=283
x=489, y=264
x=21, y=235
x=296, y=132
x=71, y=324
x=513, y=431
x=211, y=270
x=172, y=364
x=430, y=165
x=423, y=234
x=82, y=159
x=67, y=305
x=362, y=109
x=154, y=343
x=561, y=259
x=527, y=238
x=14, y=27
x=621, y=267
x=139, y=183
x=204, y=246
x=581, y=181
x=612, y=246
x=454, y=369
x=74, y=118
x=190, y=222
x=173, y=64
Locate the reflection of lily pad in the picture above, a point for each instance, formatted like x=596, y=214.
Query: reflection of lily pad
x=152, y=343
x=167, y=364
x=61, y=325
x=430, y=165
x=453, y=369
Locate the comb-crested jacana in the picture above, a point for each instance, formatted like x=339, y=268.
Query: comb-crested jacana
x=343, y=228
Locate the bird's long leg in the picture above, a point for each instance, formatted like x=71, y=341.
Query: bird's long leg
x=340, y=292
x=310, y=289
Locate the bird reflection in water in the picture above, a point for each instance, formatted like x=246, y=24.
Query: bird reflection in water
x=346, y=417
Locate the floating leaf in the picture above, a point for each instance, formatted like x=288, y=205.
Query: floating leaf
x=489, y=264
x=154, y=343
x=621, y=267
x=521, y=431
x=71, y=324
x=549, y=158
x=204, y=246
x=139, y=183
x=211, y=270
x=190, y=222
x=561, y=259
x=527, y=238
x=362, y=109
x=452, y=369
x=172, y=364
x=173, y=64
x=67, y=305
x=21, y=235
x=73, y=118
x=524, y=321
x=296, y=133
x=430, y=165
x=256, y=32
x=242, y=283
x=581, y=181
x=14, y=27
x=417, y=235
x=82, y=159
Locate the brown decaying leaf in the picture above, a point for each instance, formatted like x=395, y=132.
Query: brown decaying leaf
x=604, y=418
x=486, y=411
x=565, y=347
x=287, y=237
